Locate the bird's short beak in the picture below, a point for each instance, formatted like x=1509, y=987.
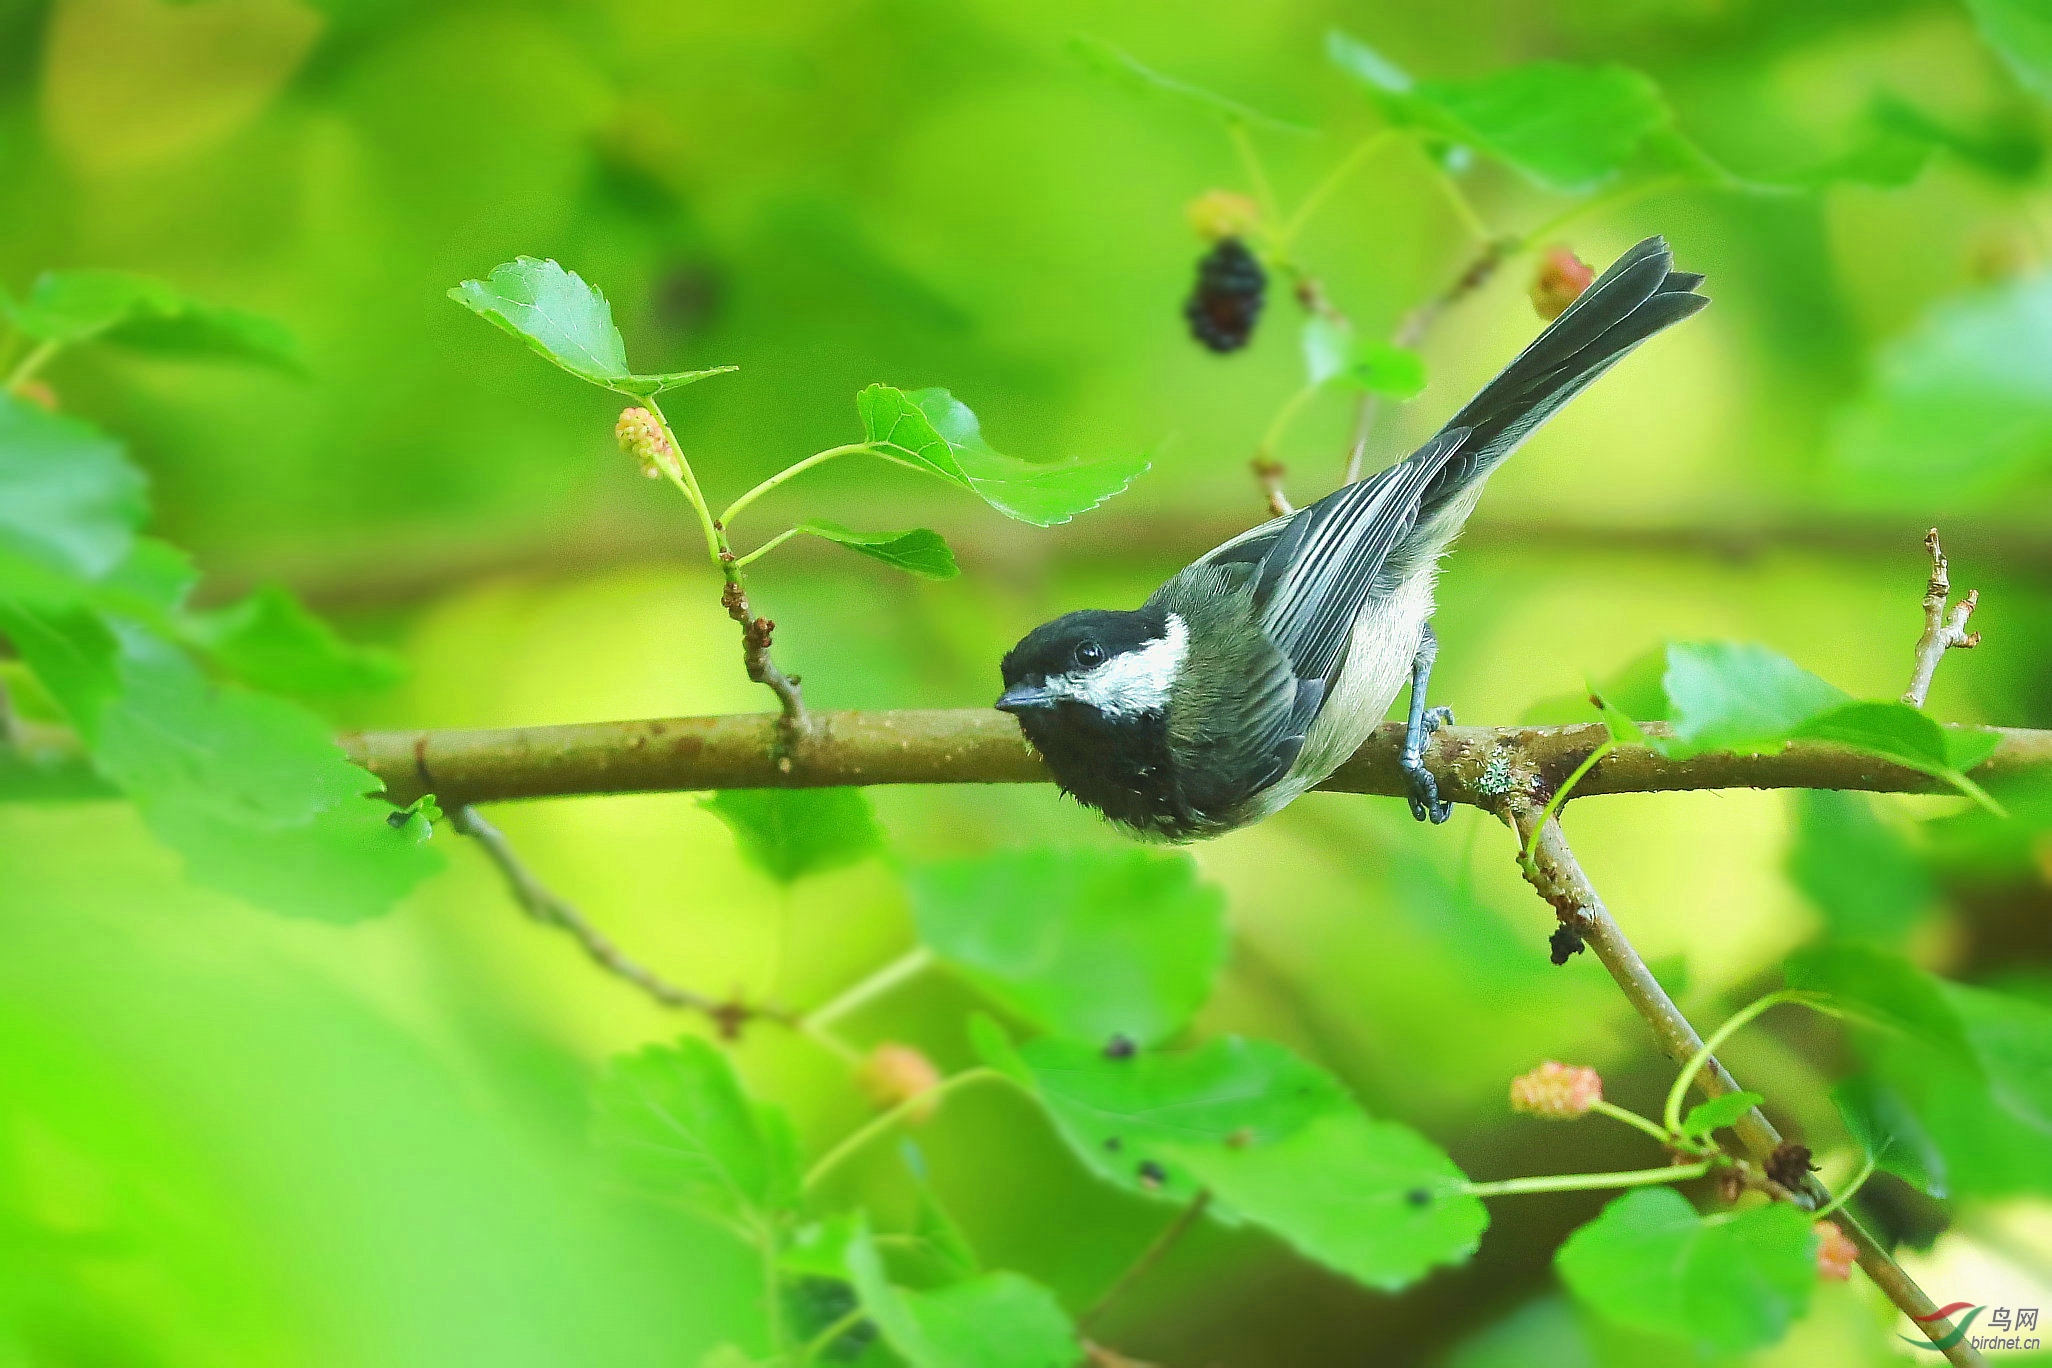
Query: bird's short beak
x=1025, y=698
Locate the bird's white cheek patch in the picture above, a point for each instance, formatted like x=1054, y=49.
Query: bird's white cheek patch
x=1132, y=682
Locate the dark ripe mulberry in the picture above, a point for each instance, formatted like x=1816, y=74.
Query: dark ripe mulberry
x=1227, y=301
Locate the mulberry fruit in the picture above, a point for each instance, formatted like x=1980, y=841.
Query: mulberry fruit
x=1559, y=282
x=1558, y=1092
x=1227, y=301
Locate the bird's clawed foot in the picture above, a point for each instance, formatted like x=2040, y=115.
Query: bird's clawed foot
x=1426, y=804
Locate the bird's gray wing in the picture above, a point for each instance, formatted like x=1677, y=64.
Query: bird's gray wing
x=1317, y=568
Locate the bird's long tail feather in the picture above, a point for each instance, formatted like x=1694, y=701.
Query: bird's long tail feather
x=1638, y=296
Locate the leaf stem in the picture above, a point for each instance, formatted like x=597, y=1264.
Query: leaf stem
x=1257, y=174
x=715, y=539
x=1671, y=1113
x=1610, y=199
x=908, y=965
x=882, y=1124
x=1632, y=1119
x=1347, y=165
x=1560, y=797
x=795, y=468
x=1144, y=1263
x=824, y=1340
x=1589, y=1182
x=1859, y=1180
x=25, y=369
x=772, y=1288
x=1284, y=416
x=772, y=544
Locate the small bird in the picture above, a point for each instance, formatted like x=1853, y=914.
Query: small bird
x=1258, y=669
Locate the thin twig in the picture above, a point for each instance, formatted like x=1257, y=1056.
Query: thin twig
x=542, y=904
x=1558, y=877
x=1411, y=332
x=1942, y=631
x=1148, y=1257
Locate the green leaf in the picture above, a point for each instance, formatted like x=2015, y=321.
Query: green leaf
x=1884, y=990
x=1384, y=368
x=1567, y=128
x=932, y=431
x=1719, y=1112
x=790, y=833
x=2021, y=30
x=251, y=789
x=270, y=641
x=676, y=1123
x=69, y=502
x=1881, y=1119
x=919, y=552
x=995, y=1320
x=1086, y=943
x=1744, y=698
x=1959, y=402
x=566, y=320
x=135, y=311
x=1276, y=1140
x=168, y=736
x=1858, y=871
x=1730, y=1283
x=347, y=863
x=1373, y=1200
x=1107, y=60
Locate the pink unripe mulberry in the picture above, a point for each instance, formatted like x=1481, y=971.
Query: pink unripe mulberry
x=1559, y=282
x=641, y=436
x=1559, y=1092
x=1836, y=1254
x=895, y=1074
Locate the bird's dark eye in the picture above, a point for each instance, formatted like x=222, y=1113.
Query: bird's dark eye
x=1090, y=655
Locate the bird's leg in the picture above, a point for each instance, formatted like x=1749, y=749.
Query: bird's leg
x=1426, y=804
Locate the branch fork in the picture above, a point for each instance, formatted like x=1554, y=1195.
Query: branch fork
x=1944, y=628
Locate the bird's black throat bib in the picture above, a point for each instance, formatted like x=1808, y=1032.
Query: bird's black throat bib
x=1119, y=765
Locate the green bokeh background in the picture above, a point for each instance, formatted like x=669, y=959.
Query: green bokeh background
x=228, y=1137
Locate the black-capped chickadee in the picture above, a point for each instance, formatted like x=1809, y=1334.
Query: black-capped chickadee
x=1256, y=671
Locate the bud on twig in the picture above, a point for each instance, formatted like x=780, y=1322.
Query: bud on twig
x=641, y=436
x=1558, y=1092
x=895, y=1074
x=1790, y=1165
x=1559, y=282
x=1836, y=1254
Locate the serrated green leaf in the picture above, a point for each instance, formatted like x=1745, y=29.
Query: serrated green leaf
x=790, y=833
x=173, y=739
x=1109, y=61
x=1888, y=1129
x=135, y=311
x=1968, y=748
x=270, y=641
x=570, y=322
x=1567, y=128
x=1088, y=944
x=676, y=1123
x=1276, y=1140
x=932, y=431
x=1728, y=1283
x=1737, y=697
x=1857, y=870
x=1719, y=1112
x=994, y=1320
x=1959, y=402
x=2020, y=30
x=1898, y=732
x=70, y=502
x=919, y=552
x=251, y=789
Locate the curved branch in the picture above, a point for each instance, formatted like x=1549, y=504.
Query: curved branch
x=1480, y=766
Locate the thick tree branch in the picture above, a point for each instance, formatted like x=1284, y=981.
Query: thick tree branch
x=1558, y=878
x=1480, y=766
x=1942, y=631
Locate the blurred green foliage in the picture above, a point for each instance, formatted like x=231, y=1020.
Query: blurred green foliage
x=228, y=1135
